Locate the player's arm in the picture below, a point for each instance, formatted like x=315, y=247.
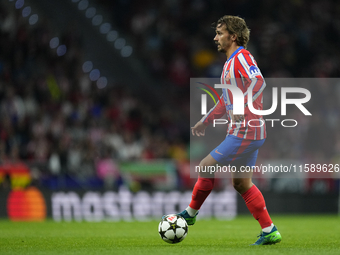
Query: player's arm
x=198, y=129
x=248, y=69
x=215, y=113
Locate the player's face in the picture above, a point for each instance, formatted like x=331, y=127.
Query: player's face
x=222, y=38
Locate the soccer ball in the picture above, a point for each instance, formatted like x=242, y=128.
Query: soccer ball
x=173, y=228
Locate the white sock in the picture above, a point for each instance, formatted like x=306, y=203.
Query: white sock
x=191, y=212
x=268, y=229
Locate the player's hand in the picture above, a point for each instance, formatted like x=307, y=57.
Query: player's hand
x=238, y=118
x=198, y=129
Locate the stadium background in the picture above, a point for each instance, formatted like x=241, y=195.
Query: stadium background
x=94, y=119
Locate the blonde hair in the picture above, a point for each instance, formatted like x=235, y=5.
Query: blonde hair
x=235, y=26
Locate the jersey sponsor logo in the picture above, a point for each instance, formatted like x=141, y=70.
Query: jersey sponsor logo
x=254, y=71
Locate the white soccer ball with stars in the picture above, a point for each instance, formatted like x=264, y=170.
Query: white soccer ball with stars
x=173, y=228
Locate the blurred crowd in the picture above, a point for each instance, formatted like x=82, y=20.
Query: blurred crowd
x=294, y=38
x=50, y=111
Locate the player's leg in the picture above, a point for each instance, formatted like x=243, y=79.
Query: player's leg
x=257, y=207
x=201, y=191
x=255, y=202
x=222, y=154
x=242, y=182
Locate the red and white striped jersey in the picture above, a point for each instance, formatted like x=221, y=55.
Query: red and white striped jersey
x=241, y=70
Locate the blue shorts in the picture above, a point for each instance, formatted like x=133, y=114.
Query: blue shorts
x=236, y=151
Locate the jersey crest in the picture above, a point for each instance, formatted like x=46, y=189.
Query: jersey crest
x=227, y=76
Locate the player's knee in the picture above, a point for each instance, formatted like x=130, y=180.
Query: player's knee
x=206, y=171
x=209, y=175
x=208, y=161
x=241, y=185
x=237, y=185
x=204, y=163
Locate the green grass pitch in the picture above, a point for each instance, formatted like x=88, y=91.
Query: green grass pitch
x=300, y=235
